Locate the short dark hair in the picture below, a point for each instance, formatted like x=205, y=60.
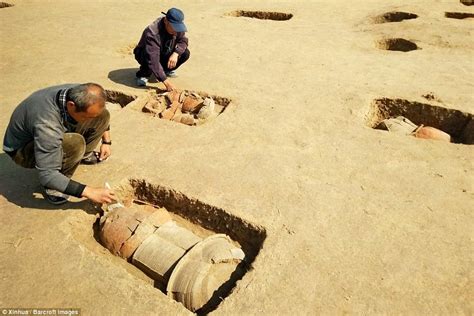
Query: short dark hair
x=84, y=95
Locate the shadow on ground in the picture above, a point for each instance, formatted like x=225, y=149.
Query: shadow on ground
x=126, y=77
x=21, y=187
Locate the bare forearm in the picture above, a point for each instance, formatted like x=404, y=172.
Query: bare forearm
x=106, y=136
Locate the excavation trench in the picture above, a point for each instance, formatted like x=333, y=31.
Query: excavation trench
x=188, y=107
x=5, y=5
x=397, y=44
x=262, y=15
x=394, y=17
x=153, y=245
x=459, y=15
x=459, y=125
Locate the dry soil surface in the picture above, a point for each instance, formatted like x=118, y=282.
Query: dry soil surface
x=357, y=220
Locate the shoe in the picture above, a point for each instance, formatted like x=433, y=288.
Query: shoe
x=91, y=159
x=171, y=74
x=54, y=197
x=141, y=81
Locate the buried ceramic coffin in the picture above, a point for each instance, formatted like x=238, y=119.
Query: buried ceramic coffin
x=123, y=229
x=159, y=253
x=200, y=271
x=118, y=225
x=403, y=126
x=205, y=269
x=147, y=227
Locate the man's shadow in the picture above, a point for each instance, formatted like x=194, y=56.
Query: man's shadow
x=127, y=78
x=21, y=186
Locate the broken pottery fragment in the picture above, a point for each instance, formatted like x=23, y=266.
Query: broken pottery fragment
x=428, y=132
x=158, y=105
x=177, y=235
x=207, y=111
x=205, y=269
x=159, y=253
x=182, y=96
x=399, y=125
x=169, y=113
x=154, y=106
x=177, y=115
x=118, y=225
x=147, y=227
x=403, y=126
x=173, y=96
x=187, y=119
x=157, y=256
x=191, y=103
x=186, y=107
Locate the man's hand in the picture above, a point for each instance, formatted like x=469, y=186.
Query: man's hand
x=173, y=60
x=99, y=195
x=169, y=85
x=105, y=152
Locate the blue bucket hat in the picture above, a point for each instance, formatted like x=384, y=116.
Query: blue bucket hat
x=176, y=17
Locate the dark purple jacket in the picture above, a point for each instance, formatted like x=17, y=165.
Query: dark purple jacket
x=156, y=44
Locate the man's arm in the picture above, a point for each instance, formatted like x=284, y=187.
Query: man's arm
x=180, y=46
x=181, y=43
x=105, y=148
x=98, y=195
x=48, y=157
x=153, y=51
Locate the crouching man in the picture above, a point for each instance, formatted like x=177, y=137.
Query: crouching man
x=162, y=48
x=56, y=128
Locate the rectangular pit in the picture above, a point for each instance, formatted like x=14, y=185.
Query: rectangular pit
x=187, y=107
x=460, y=125
x=203, y=220
x=207, y=217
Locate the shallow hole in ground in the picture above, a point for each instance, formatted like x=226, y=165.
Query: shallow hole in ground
x=134, y=238
x=5, y=5
x=397, y=44
x=262, y=15
x=187, y=107
x=459, y=125
x=394, y=17
x=118, y=97
x=467, y=2
x=458, y=15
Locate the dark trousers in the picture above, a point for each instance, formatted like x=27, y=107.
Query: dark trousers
x=145, y=71
x=77, y=144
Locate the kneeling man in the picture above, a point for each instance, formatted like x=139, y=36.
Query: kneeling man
x=56, y=128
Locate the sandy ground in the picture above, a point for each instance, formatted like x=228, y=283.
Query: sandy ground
x=358, y=221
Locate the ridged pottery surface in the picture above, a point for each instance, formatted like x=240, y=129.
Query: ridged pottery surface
x=203, y=270
x=118, y=225
x=159, y=253
x=157, y=256
x=143, y=231
x=177, y=235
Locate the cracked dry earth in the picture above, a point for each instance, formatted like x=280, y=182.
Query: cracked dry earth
x=341, y=218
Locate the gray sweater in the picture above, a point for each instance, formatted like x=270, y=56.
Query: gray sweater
x=38, y=119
